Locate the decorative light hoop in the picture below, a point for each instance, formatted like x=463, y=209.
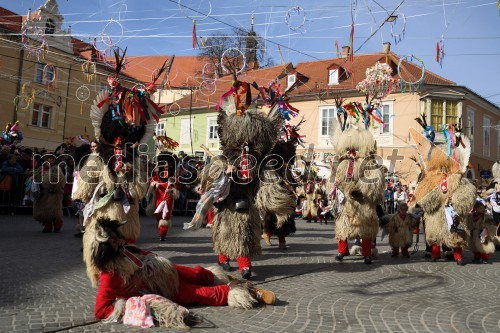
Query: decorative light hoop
x=174, y=112
x=33, y=31
x=208, y=87
x=82, y=93
x=25, y=102
x=169, y=77
x=197, y=18
x=109, y=42
x=411, y=58
x=399, y=36
x=45, y=72
x=207, y=71
x=106, y=41
x=89, y=69
x=225, y=53
x=295, y=11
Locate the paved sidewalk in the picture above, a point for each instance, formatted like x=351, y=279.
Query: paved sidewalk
x=44, y=287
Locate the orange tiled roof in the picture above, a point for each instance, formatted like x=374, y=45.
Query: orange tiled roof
x=312, y=77
x=185, y=72
x=315, y=73
x=261, y=76
x=9, y=20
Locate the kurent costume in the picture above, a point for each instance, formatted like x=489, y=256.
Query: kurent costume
x=359, y=189
x=444, y=194
x=112, y=183
x=481, y=242
x=48, y=188
x=139, y=287
x=400, y=229
x=239, y=183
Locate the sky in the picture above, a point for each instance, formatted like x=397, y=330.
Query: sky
x=305, y=30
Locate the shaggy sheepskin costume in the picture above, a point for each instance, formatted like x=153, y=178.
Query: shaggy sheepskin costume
x=112, y=183
x=481, y=241
x=361, y=183
x=400, y=227
x=240, y=183
x=48, y=187
x=129, y=276
x=445, y=195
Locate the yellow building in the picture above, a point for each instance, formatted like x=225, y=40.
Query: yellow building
x=49, y=79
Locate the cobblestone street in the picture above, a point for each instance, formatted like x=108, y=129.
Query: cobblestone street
x=45, y=288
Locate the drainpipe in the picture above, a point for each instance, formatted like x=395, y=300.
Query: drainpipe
x=19, y=83
x=66, y=106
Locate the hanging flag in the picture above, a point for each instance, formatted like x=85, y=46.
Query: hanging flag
x=194, y=39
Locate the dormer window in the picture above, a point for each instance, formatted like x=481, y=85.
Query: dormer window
x=50, y=27
x=333, y=76
x=291, y=80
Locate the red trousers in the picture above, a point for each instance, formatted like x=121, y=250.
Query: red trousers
x=484, y=256
x=404, y=251
x=243, y=262
x=457, y=253
x=162, y=230
x=436, y=252
x=366, y=245
x=196, y=287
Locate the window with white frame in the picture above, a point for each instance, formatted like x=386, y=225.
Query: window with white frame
x=443, y=112
x=327, y=119
x=469, y=128
x=213, y=128
x=486, y=136
x=333, y=76
x=49, y=73
x=186, y=126
x=291, y=79
x=41, y=115
x=160, y=128
x=50, y=27
x=386, y=117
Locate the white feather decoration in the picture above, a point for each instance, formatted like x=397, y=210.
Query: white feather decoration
x=96, y=113
x=228, y=104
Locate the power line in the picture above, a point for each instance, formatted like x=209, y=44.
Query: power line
x=243, y=30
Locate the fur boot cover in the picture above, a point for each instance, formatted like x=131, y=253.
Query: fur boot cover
x=441, y=184
x=247, y=139
x=361, y=181
x=48, y=202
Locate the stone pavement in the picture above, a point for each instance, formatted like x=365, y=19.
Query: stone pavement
x=44, y=287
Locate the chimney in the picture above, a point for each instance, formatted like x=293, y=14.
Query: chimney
x=346, y=50
x=387, y=47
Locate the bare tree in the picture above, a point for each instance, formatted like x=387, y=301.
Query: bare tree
x=249, y=43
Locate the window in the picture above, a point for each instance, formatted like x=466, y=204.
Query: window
x=437, y=114
x=186, y=125
x=212, y=129
x=327, y=118
x=41, y=115
x=333, y=76
x=451, y=112
x=160, y=129
x=486, y=136
x=469, y=128
x=49, y=73
x=291, y=80
x=386, y=117
x=50, y=27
